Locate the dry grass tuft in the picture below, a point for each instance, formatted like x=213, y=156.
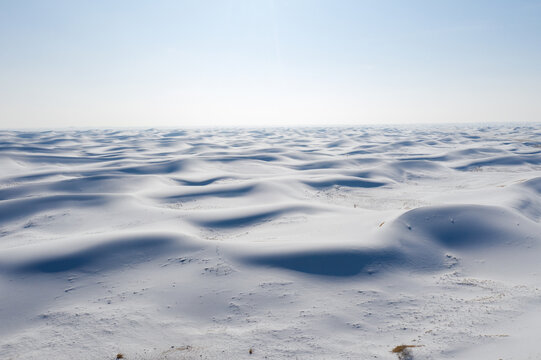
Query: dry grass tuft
x=403, y=351
x=120, y=356
x=401, y=348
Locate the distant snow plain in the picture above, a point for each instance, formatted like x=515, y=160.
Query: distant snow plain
x=286, y=243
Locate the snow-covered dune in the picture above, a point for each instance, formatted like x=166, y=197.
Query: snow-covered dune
x=466, y=226
x=90, y=254
x=271, y=243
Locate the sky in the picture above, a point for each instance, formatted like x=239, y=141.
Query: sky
x=93, y=63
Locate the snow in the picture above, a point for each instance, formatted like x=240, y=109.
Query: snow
x=308, y=243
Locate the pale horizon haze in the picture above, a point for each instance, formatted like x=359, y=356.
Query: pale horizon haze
x=268, y=63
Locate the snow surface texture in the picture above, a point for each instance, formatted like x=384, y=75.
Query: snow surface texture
x=317, y=243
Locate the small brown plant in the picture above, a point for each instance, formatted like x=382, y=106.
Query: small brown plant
x=403, y=351
x=120, y=356
x=251, y=351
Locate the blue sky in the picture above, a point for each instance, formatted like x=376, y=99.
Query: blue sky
x=249, y=62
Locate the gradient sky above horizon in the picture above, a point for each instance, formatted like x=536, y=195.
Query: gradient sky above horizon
x=274, y=63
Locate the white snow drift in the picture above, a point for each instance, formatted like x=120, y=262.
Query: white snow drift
x=271, y=243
